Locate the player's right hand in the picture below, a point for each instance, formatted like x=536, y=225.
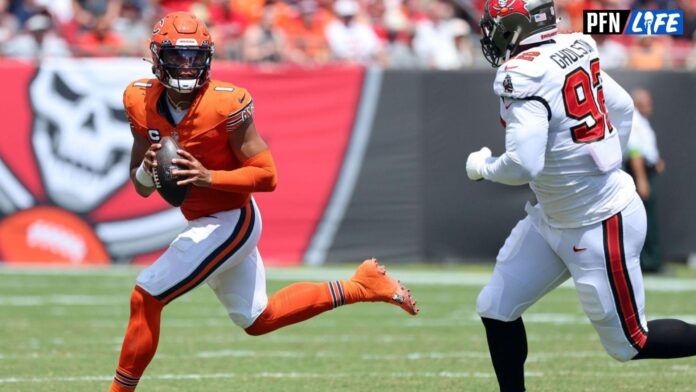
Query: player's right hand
x=150, y=160
x=476, y=162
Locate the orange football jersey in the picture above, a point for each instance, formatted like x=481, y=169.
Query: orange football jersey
x=218, y=108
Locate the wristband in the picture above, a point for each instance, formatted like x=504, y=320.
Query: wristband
x=143, y=177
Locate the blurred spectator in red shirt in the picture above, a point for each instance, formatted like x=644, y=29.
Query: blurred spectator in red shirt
x=304, y=35
x=350, y=38
x=101, y=41
x=226, y=25
x=375, y=13
x=165, y=7
x=38, y=41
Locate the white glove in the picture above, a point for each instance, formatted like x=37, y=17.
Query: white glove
x=476, y=162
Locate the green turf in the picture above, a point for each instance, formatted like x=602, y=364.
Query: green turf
x=63, y=332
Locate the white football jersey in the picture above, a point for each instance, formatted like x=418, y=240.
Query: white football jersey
x=581, y=182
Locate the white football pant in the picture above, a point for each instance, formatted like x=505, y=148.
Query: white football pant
x=604, y=261
x=219, y=249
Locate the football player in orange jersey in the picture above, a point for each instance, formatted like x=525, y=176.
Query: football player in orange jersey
x=225, y=161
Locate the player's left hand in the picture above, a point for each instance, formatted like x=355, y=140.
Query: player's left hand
x=476, y=162
x=195, y=173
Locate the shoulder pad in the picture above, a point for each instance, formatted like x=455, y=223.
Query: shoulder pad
x=518, y=78
x=571, y=38
x=135, y=91
x=135, y=99
x=230, y=98
x=588, y=39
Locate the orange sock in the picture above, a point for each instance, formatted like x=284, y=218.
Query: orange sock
x=140, y=342
x=301, y=301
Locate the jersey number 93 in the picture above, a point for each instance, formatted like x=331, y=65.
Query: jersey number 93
x=581, y=102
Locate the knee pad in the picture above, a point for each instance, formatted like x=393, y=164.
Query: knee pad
x=484, y=302
x=488, y=304
x=614, y=341
x=242, y=320
x=601, y=310
x=622, y=353
x=242, y=311
x=599, y=307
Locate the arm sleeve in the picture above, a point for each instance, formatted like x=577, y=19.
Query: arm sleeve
x=526, y=134
x=257, y=174
x=619, y=107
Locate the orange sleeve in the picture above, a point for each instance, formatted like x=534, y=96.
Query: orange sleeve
x=137, y=129
x=257, y=174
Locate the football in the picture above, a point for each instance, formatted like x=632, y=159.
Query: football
x=165, y=182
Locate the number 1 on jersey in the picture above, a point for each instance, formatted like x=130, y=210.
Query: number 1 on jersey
x=580, y=102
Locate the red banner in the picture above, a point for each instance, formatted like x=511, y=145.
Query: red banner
x=64, y=191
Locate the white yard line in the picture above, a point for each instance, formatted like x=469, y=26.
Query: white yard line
x=59, y=299
x=414, y=356
x=411, y=277
x=257, y=354
x=303, y=375
x=279, y=375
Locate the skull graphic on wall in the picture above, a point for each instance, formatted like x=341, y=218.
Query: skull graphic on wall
x=81, y=137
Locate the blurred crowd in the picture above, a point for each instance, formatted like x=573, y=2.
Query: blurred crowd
x=441, y=34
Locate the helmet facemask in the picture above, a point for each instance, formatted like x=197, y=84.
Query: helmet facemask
x=497, y=43
x=183, y=68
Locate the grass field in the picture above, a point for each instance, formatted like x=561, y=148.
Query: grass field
x=62, y=332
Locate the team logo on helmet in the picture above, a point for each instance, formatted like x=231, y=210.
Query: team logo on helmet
x=506, y=7
x=158, y=26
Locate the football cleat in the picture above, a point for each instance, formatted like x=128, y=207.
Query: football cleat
x=378, y=286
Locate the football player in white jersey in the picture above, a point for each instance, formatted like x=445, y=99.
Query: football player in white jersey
x=565, y=124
